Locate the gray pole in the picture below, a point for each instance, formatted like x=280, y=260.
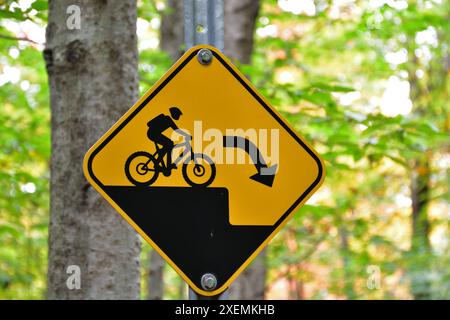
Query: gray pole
x=204, y=24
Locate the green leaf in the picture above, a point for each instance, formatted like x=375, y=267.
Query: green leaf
x=40, y=5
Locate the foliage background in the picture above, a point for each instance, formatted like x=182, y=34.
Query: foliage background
x=365, y=81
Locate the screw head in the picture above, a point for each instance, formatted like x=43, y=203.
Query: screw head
x=205, y=56
x=209, y=281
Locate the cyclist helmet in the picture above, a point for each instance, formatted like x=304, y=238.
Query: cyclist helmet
x=175, y=113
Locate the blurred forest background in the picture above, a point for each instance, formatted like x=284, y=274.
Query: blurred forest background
x=366, y=82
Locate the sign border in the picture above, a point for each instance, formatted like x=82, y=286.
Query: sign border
x=144, y=100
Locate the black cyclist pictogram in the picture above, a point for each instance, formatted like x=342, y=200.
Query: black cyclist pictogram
x=143, y=168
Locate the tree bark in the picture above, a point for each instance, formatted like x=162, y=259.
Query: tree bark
x=171, y=41
x=251, y=283
x=172, y=29
x=240, y=20
x=420, y=197
x=420, y=243
x=156, y=277
x=420, y=194
x=93, y=80
x=349, y=291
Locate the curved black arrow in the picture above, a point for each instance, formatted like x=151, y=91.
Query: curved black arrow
x=265, y=174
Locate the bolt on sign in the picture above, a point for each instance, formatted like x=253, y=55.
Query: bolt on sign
x=204, y=169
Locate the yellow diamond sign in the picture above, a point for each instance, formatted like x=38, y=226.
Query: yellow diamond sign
x=204, y=169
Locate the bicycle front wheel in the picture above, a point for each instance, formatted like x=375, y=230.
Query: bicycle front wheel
x=140, y=169
x=199, y=170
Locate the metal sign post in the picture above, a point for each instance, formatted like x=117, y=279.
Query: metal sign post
x=204, y=24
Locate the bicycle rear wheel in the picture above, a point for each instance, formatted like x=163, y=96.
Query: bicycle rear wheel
x=140, y=169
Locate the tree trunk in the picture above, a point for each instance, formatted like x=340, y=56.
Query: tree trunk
x=93, y=80
x=420, y=181
x=171, y=41
x=345, y=255
x=172, y=29
x=240, y=20
x=420, y=197
x=251, y=283
x=420, y=243
x=156, y=276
